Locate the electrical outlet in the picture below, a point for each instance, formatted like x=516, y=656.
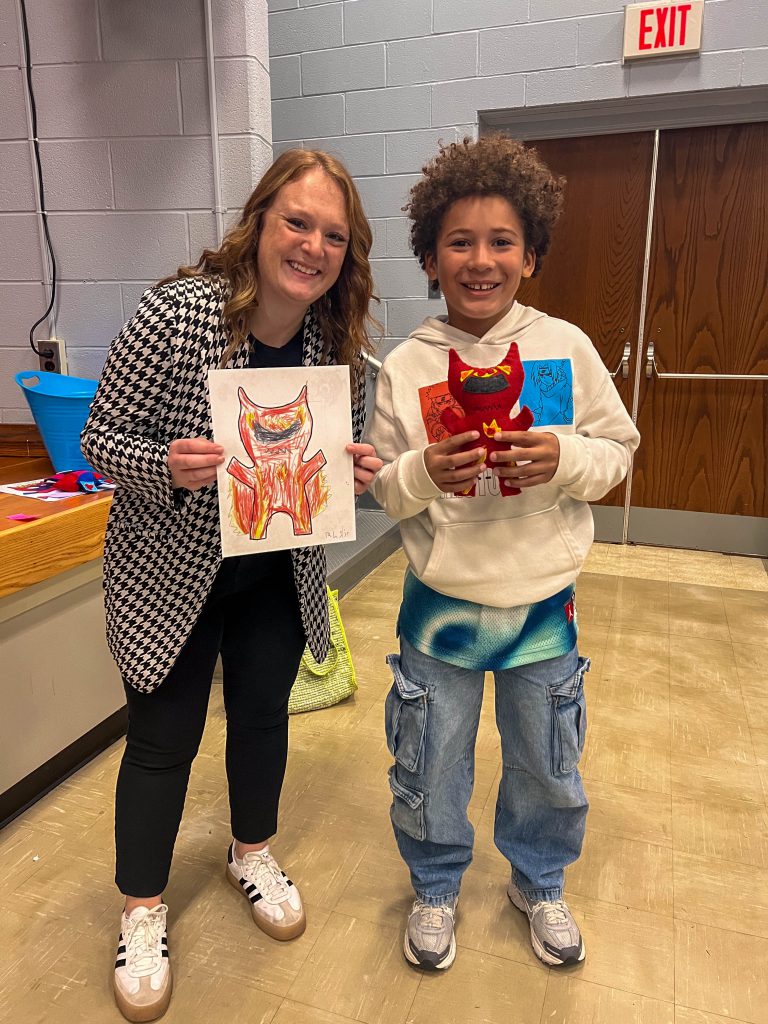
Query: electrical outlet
x=55, y=358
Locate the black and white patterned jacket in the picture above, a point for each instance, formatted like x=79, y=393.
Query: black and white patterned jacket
x=163, y=547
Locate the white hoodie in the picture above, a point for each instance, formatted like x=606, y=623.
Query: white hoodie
x=495, y=550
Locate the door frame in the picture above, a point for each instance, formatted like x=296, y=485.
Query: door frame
x=743, y=535
x=630, y=114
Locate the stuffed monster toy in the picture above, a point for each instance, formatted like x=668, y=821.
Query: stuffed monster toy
x=487, y=396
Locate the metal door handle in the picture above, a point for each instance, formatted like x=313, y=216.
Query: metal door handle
x=651, y=368
x=623, y=366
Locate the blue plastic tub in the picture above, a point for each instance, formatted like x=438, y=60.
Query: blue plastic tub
x=60, y=407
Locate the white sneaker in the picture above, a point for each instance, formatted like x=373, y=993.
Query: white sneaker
x=429, y=940
x=275, y=901
x=555, y=936
x=143, y=981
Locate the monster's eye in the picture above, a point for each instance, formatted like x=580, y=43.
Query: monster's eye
x=486, y=385
x=266, y=436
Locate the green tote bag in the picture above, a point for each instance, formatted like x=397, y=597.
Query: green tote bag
x=321, y=685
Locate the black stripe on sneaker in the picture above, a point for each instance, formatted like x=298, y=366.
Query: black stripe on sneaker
x=119, y=963
x=257, y=897
x=565, y=954
x=121, y=949
x=230, y=854
x=165, y=953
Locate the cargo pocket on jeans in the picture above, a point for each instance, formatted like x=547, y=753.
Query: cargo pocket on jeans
x=569, y=720
x=406, y=719
x=407, y=807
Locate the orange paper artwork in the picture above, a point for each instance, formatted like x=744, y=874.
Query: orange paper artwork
x=286, y=480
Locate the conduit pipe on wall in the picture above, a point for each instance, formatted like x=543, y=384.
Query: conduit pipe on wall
x=218, y=207
x=44, y=261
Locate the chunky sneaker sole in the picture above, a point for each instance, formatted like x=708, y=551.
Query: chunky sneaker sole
x=437, y=959
x=295, y=921
x=551, y=956
x=138, y=961
x=147, y=1012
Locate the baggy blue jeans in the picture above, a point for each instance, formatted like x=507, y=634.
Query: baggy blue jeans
x=432, y=717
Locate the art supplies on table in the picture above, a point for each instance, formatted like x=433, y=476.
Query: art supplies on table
x=60, y=486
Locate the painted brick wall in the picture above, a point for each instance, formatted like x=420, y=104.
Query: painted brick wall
x=122, y=100
x=378, y=82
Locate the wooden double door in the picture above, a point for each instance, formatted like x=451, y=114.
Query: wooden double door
x=661, y=257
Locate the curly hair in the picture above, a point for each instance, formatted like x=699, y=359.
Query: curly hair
x=343, y=311
x=495, y=165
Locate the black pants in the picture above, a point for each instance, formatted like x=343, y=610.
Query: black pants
x=252, y=618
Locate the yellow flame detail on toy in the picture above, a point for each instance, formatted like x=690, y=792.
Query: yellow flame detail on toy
x=483, y=372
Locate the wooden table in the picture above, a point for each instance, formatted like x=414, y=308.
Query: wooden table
x=66, y=534
x=61, y=698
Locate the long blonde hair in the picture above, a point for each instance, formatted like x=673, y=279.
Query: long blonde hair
x=343, y=311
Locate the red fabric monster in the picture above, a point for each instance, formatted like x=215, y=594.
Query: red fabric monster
x=487, y=396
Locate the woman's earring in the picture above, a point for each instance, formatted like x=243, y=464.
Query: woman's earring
x=433, y=288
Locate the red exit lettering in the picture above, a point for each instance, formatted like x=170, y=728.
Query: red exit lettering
x=663, y=27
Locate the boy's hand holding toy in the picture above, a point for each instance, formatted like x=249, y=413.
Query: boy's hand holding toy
x=451, y=468
x=531, y=460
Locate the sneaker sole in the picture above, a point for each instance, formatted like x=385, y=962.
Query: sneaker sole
x=411, y=957
x=538, y=949
x=283, y=933
x=147, y=1012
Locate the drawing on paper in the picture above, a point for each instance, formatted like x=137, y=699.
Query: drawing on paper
x=276, y=439
x=287, y=480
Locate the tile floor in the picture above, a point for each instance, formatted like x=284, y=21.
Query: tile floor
x=671, y=889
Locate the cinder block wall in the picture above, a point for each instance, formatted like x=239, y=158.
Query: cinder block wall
x=378, y=82
x=122, y=99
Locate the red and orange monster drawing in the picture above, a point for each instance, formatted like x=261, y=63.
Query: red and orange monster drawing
x=279, y=480
x=487, y=396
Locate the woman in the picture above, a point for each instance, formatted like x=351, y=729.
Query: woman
x=290, y=285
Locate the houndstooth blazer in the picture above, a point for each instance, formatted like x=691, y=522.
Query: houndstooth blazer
x=163, y=548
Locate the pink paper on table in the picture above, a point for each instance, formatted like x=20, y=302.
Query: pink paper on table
x=22, y=517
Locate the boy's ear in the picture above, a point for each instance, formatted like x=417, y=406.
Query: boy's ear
x=430, y=266
x=529, y=262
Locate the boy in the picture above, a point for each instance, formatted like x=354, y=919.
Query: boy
x=496, y=425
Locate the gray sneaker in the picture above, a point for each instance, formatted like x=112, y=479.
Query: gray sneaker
x=429, y=940
x=555, y=936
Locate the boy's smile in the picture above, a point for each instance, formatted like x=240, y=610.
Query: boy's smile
x=480, y=259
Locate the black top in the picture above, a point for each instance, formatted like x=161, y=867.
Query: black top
x=242, y=572
x=262, y=356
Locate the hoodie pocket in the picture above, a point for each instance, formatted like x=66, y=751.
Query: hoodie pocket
x=473, y=557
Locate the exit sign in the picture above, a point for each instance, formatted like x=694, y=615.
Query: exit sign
x=661, y=30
